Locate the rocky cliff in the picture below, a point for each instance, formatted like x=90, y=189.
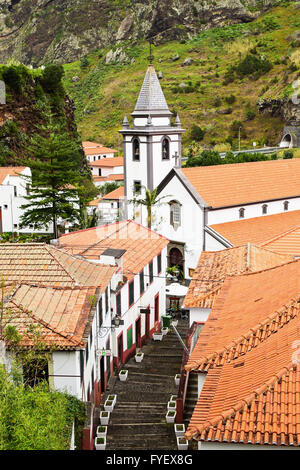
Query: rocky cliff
x=40, y=31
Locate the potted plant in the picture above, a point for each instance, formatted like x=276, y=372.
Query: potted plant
x=101, y=431
x=173, y=398
x=174, y=322
x=123, y=374
x=109, y=405
x=139, y=356
x=170, y=416
x=171, y=405
x=112, y=398
x=182, y=443
x=100, y=443
x=177, y=379
x=179, y=430
x=157, y=336
x=164, y=330
x=104, y=417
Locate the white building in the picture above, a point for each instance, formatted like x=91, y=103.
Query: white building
x=69, y=300
x=13, y=189
x=195, y=198
x=139, y=297
x=95, y=151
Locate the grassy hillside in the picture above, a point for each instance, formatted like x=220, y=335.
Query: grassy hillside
x=208, y=93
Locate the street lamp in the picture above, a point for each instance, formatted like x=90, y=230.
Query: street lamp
x=115, y=323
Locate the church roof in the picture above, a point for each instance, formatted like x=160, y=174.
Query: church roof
x=151, y=99
x=240, y=183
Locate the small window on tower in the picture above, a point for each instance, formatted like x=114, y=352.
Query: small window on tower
x=241, y=213
x=264, y=208
x=137, y=186
x=136, y=150
x=165, y=149
x=286, y=205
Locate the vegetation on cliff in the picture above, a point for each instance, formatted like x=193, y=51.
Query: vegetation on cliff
x=212, y=80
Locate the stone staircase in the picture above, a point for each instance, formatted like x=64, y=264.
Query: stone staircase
x=138, y=420
x=191, y=397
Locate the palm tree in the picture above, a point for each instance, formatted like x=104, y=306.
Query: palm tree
x=149, y=201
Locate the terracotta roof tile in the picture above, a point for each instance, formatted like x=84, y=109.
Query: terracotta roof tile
x=140, y=243
x=62, y=314
x=10, y=171
x=108, y=162
x=98, y=150
x=251, y=393
x=240, y=183
x=214, y=266
x=258, y=301
x=258, y=230
x=44, y=265
x=115, y=194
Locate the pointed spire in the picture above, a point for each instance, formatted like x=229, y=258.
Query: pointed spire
x=151, y=98
x=125, y=122
x=177, y=121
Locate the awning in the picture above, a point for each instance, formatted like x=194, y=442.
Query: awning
x=176, y=290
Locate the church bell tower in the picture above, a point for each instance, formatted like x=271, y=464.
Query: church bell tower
x=152, y=147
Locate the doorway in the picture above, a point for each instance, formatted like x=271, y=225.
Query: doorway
x=138, y=333
x=120, y=349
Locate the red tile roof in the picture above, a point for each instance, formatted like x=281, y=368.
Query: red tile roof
x=240, y=183
x=248, y=347
x=44, y=265
x=108, y=162
x=288, y=242
x=62, y=315
x=112, y=177
x=10, y=171
x=243, y=303
x=140, y=243
x=258, y=230
x=99, y=150
x=214, y=266
x=116, y=194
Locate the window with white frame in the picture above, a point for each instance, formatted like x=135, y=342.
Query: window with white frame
x=265, y=209
x=286, y=205
x=175, y=214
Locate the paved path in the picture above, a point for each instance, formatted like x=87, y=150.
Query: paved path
x=138, y=419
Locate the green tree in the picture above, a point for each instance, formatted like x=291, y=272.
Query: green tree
x=150, y=200
x=55, y=191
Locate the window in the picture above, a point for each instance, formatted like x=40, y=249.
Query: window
x=81, y=359
x=100, y=312
x=136, y=150
x=265, y=208
x=137, y=186
x=99, y=172
x=159, y=264
x=241, y=213
x=286, y=205
x=175, y=214
x=142, y=283
x=91, y=336
x=87, y=352
x=129, y=338
x=166, y=149
x=118, y=300
x=131, y=293
x=106, y=300
x=151, y=272
x=15, y=191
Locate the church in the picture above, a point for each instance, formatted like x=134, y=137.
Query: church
x=191, y=200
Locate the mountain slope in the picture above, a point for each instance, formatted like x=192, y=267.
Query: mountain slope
x=40, y=31
x=205, y=79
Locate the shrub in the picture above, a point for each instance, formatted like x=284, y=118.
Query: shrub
x=230, y=99
x=16, y=77
x=250, y=115
x=288, y=154
x=253, y=65
x=197, y=133
x=51, y=78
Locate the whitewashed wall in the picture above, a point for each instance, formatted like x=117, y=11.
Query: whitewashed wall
x=220, y=216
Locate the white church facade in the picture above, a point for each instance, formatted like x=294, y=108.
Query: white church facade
x=193, y=199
